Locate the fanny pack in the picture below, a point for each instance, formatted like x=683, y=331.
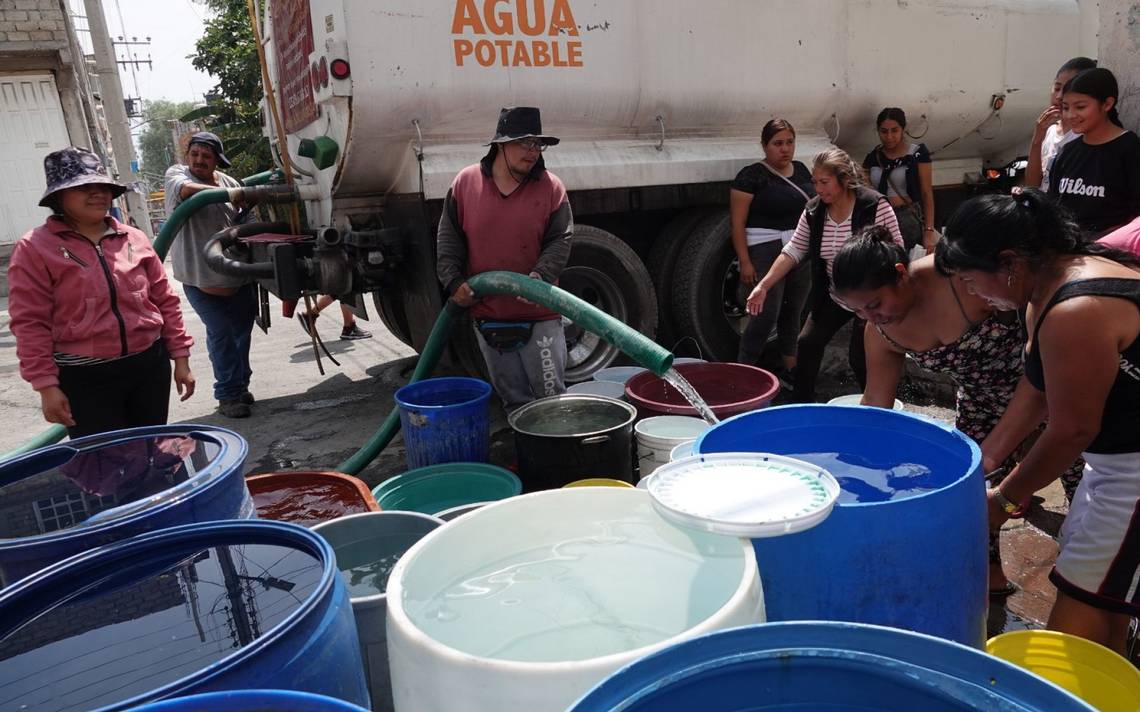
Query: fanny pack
x=505, y=336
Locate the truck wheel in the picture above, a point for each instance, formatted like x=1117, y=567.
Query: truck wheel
x=704, y=299
x=661, y=265
x=608, y=274
x=390, y=309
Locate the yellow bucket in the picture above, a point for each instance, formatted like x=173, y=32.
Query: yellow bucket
x=597, y=482
x=1090, y=671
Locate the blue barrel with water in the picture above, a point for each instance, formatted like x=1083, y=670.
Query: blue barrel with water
x=188, y=610
x=445, y=420
x=253, y=701
x=905, y=546
x=833, y=667
x=72, y=497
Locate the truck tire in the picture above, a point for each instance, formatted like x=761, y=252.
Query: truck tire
x=608, y=274
x=704, y=300
x=390, y=308
x=662, y=263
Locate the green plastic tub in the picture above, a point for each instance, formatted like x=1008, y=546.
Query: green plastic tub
x=434, y=488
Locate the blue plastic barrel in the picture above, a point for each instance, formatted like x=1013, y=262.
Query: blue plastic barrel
x=80, y=494
x=445, y=420
x=194, y=609
x=917, y=563
x=252, y=701
x=836, y=667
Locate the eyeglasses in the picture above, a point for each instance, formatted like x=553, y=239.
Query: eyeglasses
x=530, y=144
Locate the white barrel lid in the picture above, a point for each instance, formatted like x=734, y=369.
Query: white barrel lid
x=744, y=494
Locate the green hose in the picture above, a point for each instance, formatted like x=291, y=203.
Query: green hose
x=170, y=230
x=429, y=357
x=636, y=345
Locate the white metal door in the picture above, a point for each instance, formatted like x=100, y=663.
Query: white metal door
x=31, y=126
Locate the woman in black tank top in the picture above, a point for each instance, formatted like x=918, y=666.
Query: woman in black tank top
x=1082, y=311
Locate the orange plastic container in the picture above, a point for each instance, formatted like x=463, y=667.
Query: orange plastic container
x=309, y=498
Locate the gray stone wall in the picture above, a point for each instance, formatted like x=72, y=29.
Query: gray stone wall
x=1119, y=50
x=32, y=24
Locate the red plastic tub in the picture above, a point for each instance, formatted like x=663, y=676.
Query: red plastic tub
x=728, y=388
x=309, y=498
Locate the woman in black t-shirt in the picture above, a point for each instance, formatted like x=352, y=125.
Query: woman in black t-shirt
x=903, y=172
x=1097, y=175
x=765, y=203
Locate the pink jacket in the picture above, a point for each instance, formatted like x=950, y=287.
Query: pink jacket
x=67, y=295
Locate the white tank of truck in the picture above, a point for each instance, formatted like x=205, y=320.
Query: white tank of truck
x=658, y=104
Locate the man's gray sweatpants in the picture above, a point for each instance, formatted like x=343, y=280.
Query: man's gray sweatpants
x=534, y=371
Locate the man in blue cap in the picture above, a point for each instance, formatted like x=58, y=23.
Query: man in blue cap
x=227, y=305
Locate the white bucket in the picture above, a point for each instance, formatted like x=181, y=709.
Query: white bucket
x=618, y=374
x=657, y=436
x=854, y=399
x=609, y=389
x=528, y=642
x=683, y=450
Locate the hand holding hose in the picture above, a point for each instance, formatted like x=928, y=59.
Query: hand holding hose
x=464, y=296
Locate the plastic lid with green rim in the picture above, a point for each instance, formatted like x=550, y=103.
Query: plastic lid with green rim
x=747, y=494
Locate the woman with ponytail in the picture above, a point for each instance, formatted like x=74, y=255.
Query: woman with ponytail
x=1082, y=370
x=913, y=311
x=1097, y=175
x=842, y=207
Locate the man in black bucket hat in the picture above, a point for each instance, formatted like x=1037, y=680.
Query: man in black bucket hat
x=508, y=212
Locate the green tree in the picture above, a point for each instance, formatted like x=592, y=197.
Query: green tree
x=156, y=142
x=227, y=51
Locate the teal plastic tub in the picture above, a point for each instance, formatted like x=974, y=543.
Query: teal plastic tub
x=434, y=488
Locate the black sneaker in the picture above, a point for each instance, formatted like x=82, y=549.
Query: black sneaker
x=354, y=332
x=307, y=321
x=234, y=408
x=247, y=398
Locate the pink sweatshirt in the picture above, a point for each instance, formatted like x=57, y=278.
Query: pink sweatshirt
x=69, y=296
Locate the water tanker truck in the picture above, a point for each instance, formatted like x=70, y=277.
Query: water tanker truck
x=658, y=105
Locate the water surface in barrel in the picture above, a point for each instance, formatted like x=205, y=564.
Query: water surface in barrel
x=366, y=565
x=619, y=586
x=862, y=480
x=143, y=626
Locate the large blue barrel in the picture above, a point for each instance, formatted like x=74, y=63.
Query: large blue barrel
x=188, y=610
x=252, y=701
x=835, y=667
x=445, y=420
x=72, y=497
x=917, y=563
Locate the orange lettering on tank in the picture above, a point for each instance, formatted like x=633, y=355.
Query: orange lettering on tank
x=524, y=33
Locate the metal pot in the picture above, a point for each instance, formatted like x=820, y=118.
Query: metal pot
x=565, y=438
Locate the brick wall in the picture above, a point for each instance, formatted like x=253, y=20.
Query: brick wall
x=32, y=22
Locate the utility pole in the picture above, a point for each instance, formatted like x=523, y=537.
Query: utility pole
x=111, y=91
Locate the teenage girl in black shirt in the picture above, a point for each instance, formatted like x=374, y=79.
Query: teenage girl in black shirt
x=1097, y=175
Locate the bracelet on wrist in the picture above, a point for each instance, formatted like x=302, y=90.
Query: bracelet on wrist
x=1015, y=511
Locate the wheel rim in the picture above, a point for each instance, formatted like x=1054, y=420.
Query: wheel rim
x=735, y=311
x=586, y=353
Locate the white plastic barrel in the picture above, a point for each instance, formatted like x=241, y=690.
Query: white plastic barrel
x=527, y=603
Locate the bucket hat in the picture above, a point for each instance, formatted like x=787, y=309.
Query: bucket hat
x=208, y=139
x=517, y=122
x=72, y=167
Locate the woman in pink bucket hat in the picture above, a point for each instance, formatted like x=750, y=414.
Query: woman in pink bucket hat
x=95, y=319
